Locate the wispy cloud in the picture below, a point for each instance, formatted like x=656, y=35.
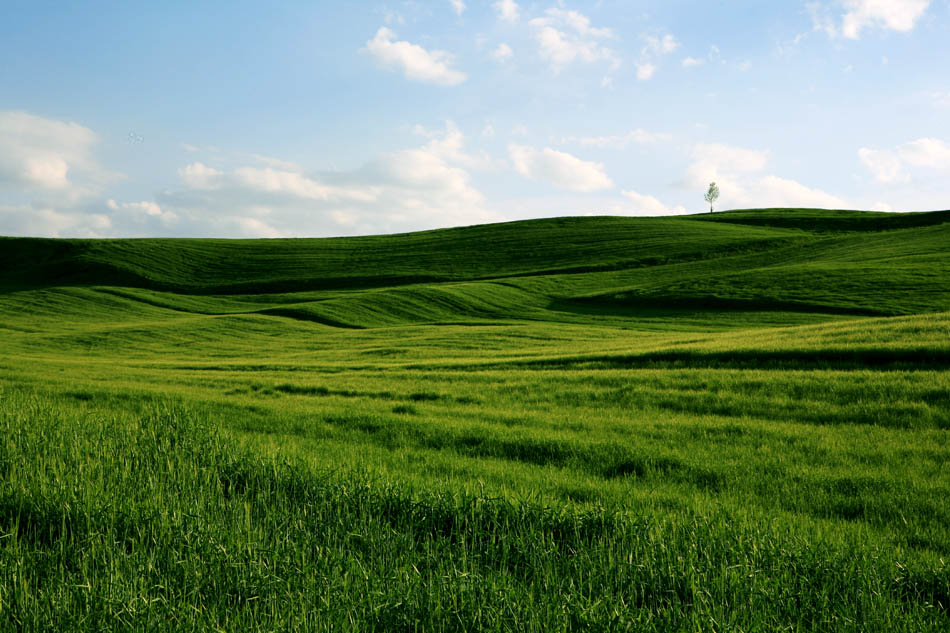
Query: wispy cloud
x=654, y=48
x=508, y=10
x=619, y=141
x=565, y=37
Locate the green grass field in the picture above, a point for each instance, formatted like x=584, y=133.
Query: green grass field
x=728, y=422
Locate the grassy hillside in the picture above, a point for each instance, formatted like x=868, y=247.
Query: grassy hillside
x=731, y=422
x=804, y=261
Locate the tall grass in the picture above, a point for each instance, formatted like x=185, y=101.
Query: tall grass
x=559, y=425
x=147, y=519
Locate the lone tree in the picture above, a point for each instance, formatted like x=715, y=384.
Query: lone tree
x=712, y=195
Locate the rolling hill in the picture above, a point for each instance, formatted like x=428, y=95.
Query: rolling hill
x=736, y=421
x=563, y=269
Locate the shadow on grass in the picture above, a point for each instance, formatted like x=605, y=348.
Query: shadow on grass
x=881, y=359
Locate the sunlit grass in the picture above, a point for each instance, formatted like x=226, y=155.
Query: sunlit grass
x=530, y=440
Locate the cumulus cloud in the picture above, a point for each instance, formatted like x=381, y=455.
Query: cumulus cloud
x=649, y=205
x=50, y=179
x=892, y=166
x=417, y=188
x=858, y=15
x=738, y=172
x=559, y=168
x=48, y=156
x=458, y=5
x=449, y=145
x=44, y=221
x=898, y=15
x=508, y=10
x=198, y=176
x=773, y=191
x=415, y=62
x=138, y=212
x=692, y=62
x=422, y=187
x=711, y=159
x=926, y=152
x=502, y=54
x=884, y=165
x=564, y=37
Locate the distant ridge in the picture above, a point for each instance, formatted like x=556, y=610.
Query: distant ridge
x=783, y=260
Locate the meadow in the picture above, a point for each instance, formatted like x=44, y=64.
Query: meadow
x=725, y=422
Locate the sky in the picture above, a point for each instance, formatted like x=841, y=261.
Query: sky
x=309, y=119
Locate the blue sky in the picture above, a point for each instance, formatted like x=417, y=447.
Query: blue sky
x=250, y=119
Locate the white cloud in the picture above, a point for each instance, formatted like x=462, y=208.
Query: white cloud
x=559, y=168
x=619, y=141
x=198, y=176
x=858, y=15
x=717, y=157
x=449, y=145
x=654, y=48
x=508, y=10
x=415, y=62
x=891, y=166
x=692, y=62
x=649, y=205
x=737, y=171
x=458, y=5
x=773, y=191
x=884, y=165
x=270, y=161
x=660, y=45
x=296, y=185
x=137, y=212
x=645, y=71
x=578, y=22
x=926, y=152
x=48, y=156
x=898, y=15
x=43, y=221
x=413, y=189
x=502, y=54
x=564, y=37
x=821, y=21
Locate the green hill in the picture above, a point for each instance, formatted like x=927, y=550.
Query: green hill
x=735, y=422
x=562, y=269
